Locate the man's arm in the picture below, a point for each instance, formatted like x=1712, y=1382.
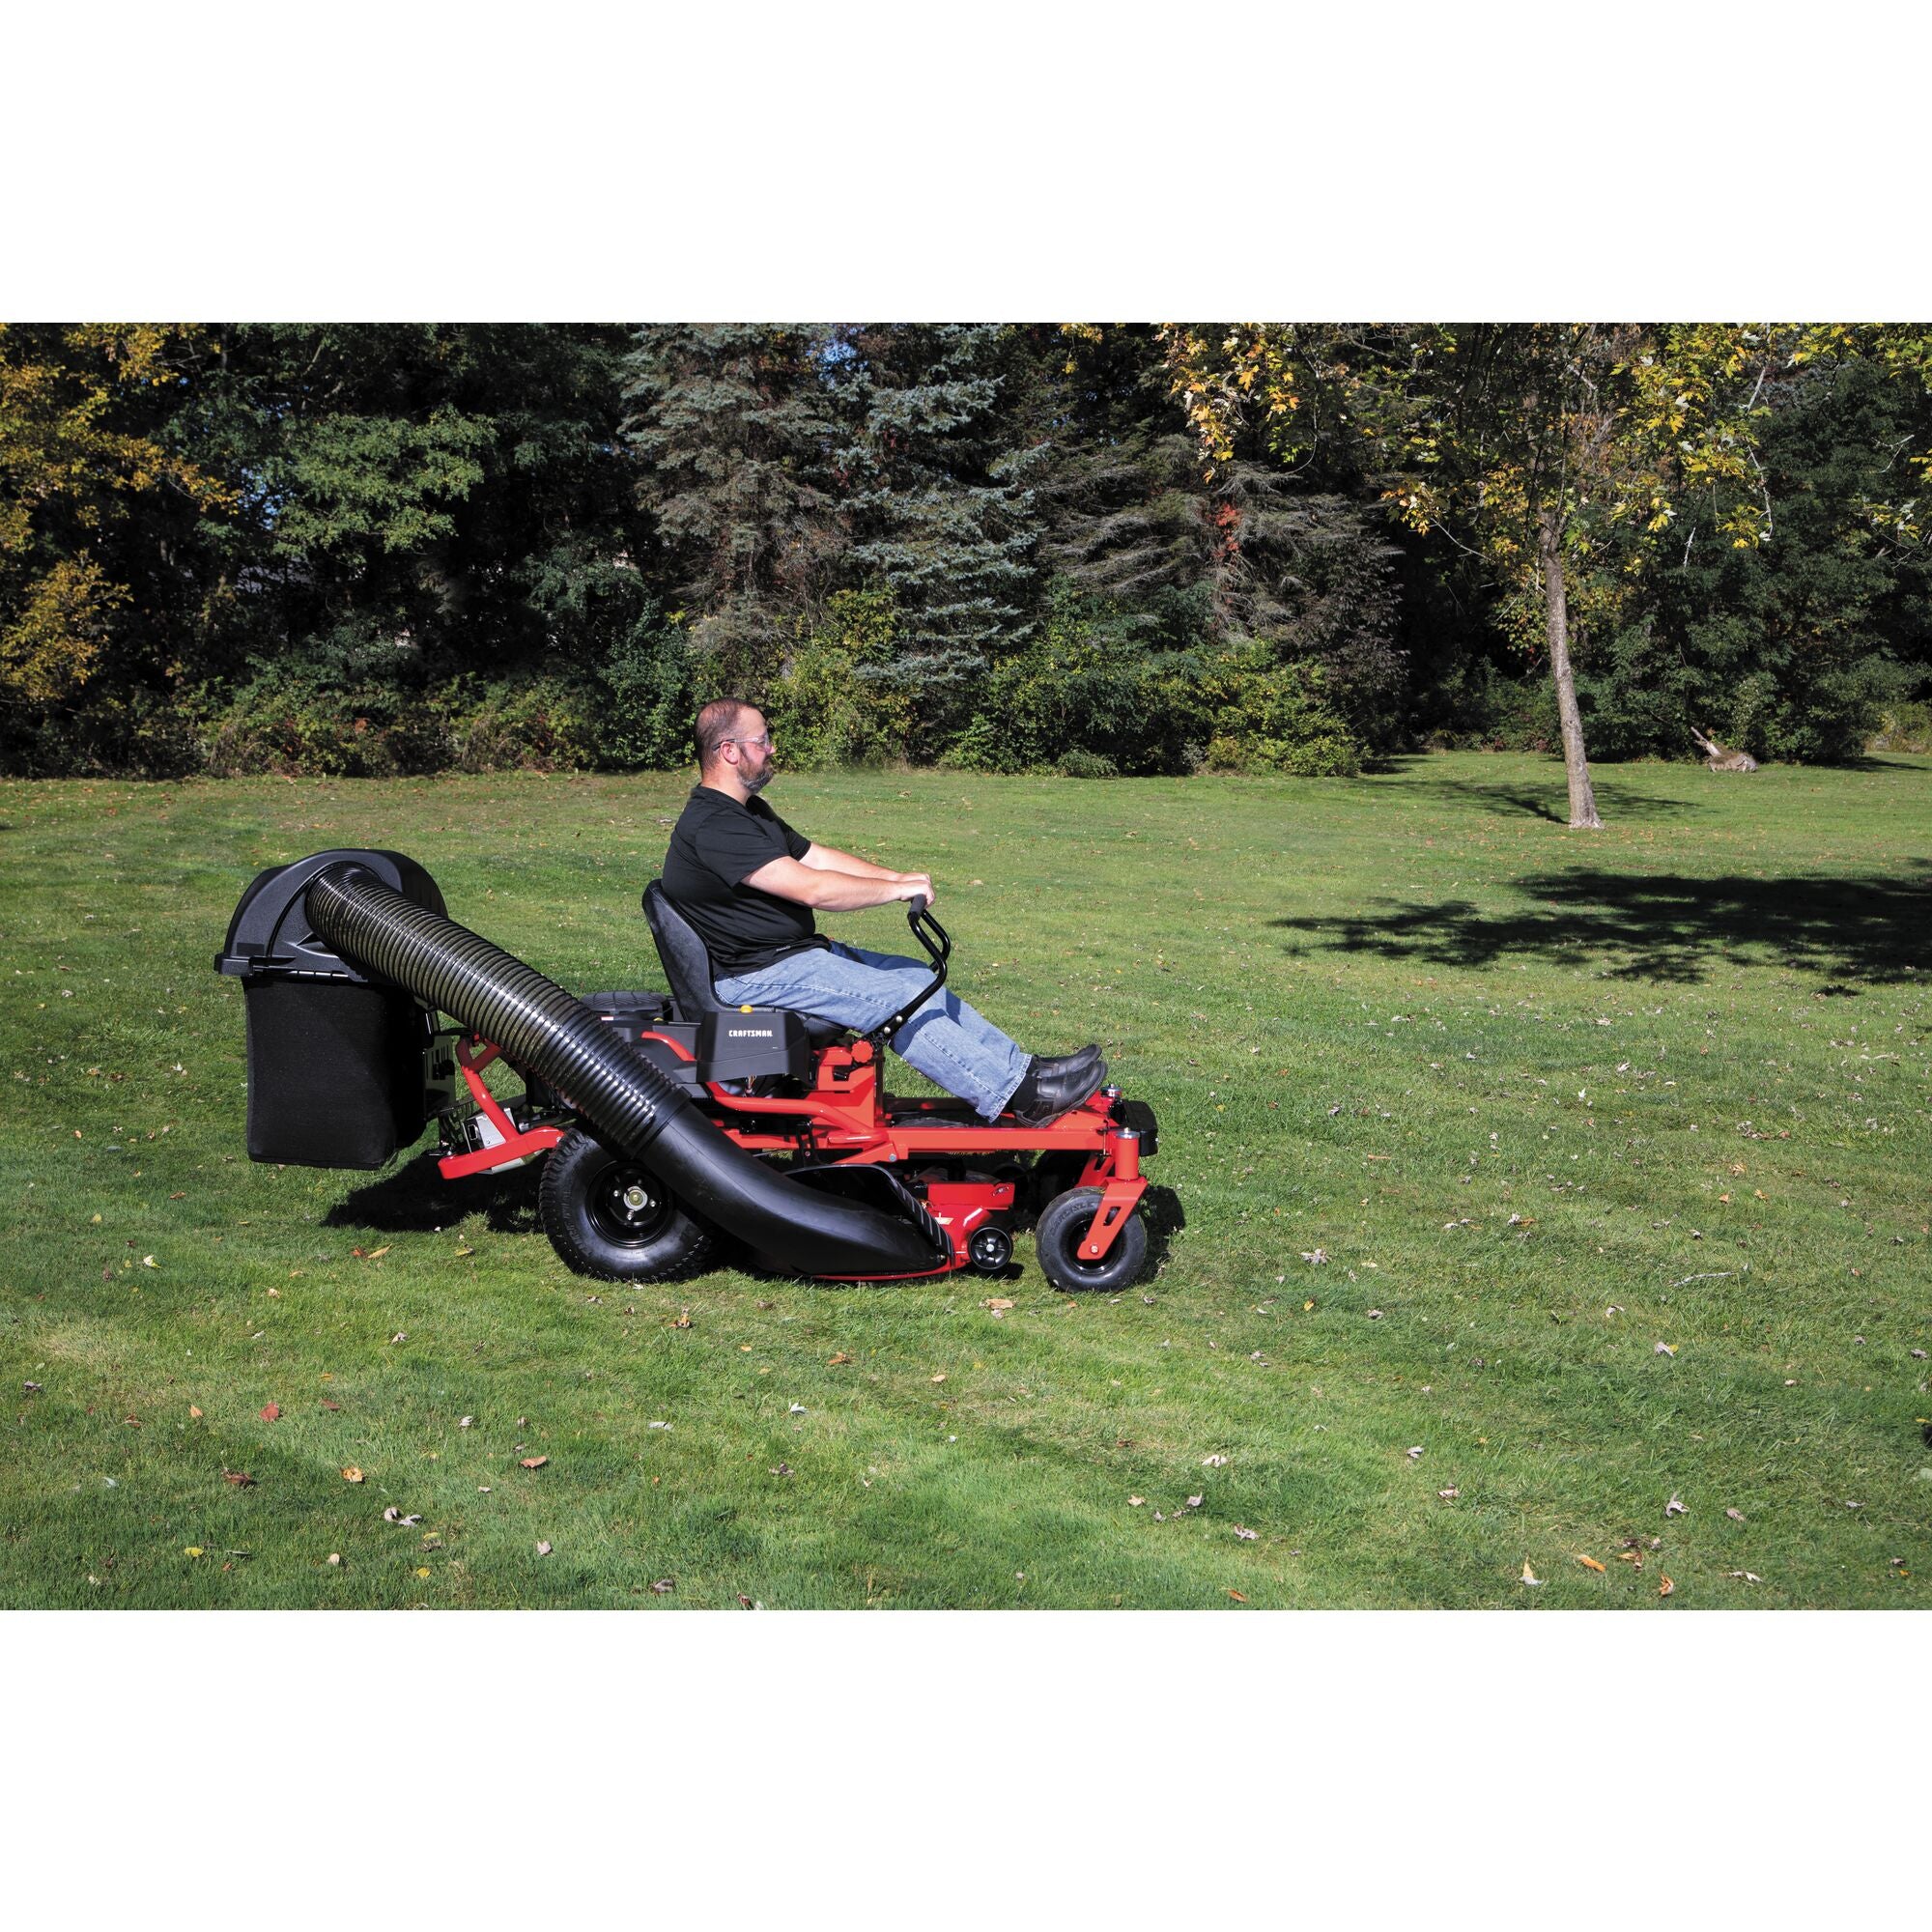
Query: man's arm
x=829, y=859
x=825, y=890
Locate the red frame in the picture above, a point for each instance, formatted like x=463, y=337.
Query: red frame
x=848, y=1115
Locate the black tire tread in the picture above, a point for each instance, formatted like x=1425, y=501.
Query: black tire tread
x=1057, y=1238
x=684, y=1248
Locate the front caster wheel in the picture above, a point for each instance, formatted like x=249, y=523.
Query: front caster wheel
x=1062, y=1226
x=611, y=1220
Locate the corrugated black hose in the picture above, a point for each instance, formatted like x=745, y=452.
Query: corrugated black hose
x=547, y=1034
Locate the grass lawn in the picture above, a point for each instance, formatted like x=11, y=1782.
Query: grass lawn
x=1615, y=1146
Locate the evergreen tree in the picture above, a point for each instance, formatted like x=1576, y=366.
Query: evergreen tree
x=732, y=427
x=940, y=503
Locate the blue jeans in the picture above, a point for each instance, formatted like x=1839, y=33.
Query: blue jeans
x=946, y=1039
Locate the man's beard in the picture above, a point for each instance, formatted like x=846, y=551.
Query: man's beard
x=758, y=784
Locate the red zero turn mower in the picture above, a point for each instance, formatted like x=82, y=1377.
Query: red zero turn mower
x=668, y=1121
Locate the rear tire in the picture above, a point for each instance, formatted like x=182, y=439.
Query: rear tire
x=610, y=1220
x=1064, y=1226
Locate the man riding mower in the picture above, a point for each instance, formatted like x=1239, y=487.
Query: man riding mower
x=671, y=1123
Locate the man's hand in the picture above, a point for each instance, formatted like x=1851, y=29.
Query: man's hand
x=911, y=884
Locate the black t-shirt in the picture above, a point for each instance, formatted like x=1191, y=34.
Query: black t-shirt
x=716, y=843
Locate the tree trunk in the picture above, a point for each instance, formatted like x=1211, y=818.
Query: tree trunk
x=1576, y=760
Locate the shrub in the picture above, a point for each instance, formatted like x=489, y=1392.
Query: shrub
x=646, y=704
x=540, y=723
x=1079, y=764
x=834, y=700
x=1904, y=725
x=1274, y=716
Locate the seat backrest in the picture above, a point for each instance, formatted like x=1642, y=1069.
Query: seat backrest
x=687, y=964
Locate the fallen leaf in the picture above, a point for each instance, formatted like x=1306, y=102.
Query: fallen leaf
x=352, y=1474
x=1589, y=1563
x=422, y=1571
x=149, y=1262
x=1194, y=1502
x=193, y=1550
x=240, y=1478
x=744, y=1602
x=940, y=1377
x=1736, y=1516
x=1675, y=1508
x=193, y=1412
x=1745, y=1576
x=1449, y=1494
x=1134, y=1502
x=1213, y=1461
x=684, y=1321
x=535, y=1461
x=401, y=1335
x=1375, y=1315
x=664, y=1586
x=998, y=1304
x=1664, y=1348
x=335, y=1559
x=327, y=1403
x=1415, y=1454
x=1246, y=1535
x=272, y=1411
x=781, y=1470
x=375, y=1253
x=465, y=1422
x=1530, y=1576
x=543, y=1549
x=1665, y=1588
x=1237, y=1597
x=837, y=1361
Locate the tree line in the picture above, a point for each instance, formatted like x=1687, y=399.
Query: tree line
x=387, y=548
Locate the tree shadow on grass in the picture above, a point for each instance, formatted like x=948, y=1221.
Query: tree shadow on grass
x=1665, y=926
x=416, y=1199
x=1551, y=800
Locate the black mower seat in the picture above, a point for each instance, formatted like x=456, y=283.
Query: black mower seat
x=688, y=967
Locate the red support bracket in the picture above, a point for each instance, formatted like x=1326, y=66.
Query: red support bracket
x=515, y=1145
x=1118, y=1200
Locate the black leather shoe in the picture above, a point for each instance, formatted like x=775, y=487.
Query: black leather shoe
x=1065, y=1062
x=1057, y=1092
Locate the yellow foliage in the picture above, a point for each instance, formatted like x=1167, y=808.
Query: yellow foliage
x=67, y=466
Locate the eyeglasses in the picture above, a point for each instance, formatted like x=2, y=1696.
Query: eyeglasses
x=756, y=744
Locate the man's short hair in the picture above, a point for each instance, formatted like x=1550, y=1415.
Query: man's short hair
x=715, y=722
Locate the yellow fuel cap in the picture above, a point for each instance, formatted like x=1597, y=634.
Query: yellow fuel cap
x=744, y=1010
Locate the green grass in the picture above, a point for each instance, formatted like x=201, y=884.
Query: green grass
x=1545, y=1099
